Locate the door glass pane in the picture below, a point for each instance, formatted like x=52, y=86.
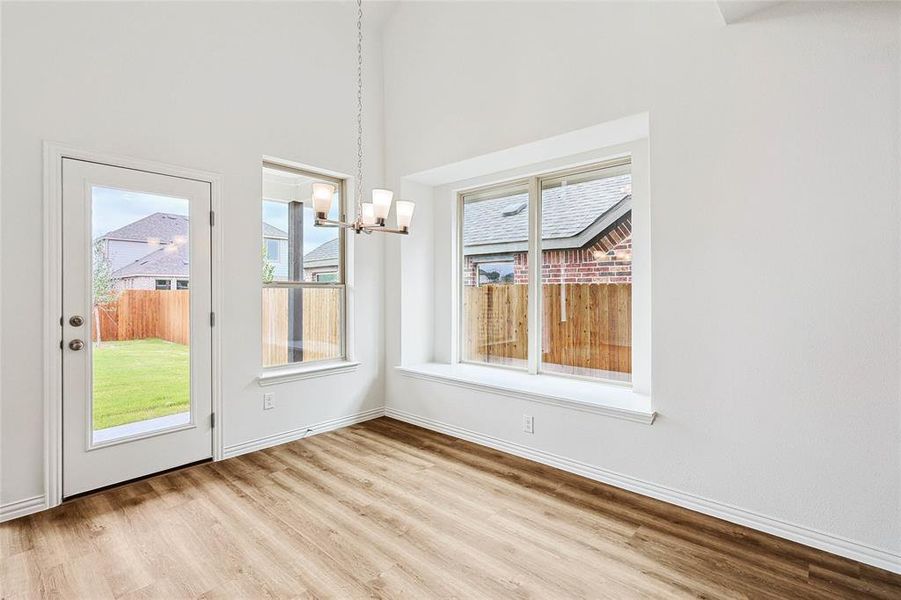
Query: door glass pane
x=140, y=321
x=302, y=324
x=495, y=277
x=586, y=274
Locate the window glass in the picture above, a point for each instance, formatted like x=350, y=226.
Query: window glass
x=273, y=253
x=181, y=284
x=300, y=324
x=495, y=295
x=586, y=274
x=288, y=218
x=329, y=277
x=162, y=284
x=495, y=272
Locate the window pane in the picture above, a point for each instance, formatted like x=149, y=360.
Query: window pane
x=273, y=249
x=495, y=277
x=140, y=325
x=586, y=274
x=293, y=247
x=326, y=277
x=302, y=324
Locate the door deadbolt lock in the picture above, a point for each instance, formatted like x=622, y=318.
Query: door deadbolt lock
x=76, y=345
x=76, y=321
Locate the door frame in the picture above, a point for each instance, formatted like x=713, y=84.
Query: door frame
x=54, y=153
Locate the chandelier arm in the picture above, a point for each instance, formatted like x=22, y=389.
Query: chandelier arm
x=383, y=229
x=331, y=223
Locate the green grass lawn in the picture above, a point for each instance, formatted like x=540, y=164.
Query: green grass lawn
x=138, y=380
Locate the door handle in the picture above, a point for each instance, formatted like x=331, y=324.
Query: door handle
x=76, y=345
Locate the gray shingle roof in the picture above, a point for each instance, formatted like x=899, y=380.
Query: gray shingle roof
x=566, y=212
x=162, y=226
x=170, y=261
x=322, y=255
x=270, y=231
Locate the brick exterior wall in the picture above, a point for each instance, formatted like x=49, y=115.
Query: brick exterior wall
x=607, y=260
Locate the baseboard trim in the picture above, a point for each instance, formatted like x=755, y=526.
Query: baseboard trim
x=296, y=434
x=20, y=508
x=863, y=553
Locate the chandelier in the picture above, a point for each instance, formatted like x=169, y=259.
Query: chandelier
x=370, y=216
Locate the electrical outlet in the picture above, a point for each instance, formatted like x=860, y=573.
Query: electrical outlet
x=528, y=423
x=267, y=402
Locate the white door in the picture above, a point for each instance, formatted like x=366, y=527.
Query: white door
x=137, y=392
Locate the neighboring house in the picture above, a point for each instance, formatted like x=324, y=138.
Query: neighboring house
x=586, y=235
x=166, y=268
x=275, y=244
x=321, y=263
x=150, y=253
x=127, y=244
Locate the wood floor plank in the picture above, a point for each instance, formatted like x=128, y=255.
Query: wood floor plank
x=384, y=509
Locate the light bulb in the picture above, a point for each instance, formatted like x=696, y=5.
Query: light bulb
x=323, y=193
x=404, y=210
x=368, y=213
x=381, y=202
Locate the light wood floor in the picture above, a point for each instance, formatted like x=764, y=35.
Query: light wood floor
x=385, y=509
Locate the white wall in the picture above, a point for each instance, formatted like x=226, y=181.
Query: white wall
x=201, y=85
x=774, y=152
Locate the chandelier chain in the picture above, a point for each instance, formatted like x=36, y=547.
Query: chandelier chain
x=359, y=187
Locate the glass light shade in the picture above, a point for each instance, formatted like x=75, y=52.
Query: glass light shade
x=368, y=213
x=381, y=202
x=404, y=210
x=323, y=193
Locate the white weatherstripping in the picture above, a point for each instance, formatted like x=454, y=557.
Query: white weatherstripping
x=54, y=153
x=796, y=533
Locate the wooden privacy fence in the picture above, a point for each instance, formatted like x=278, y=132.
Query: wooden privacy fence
x=142, y=314
x=165, y=314
x=322, y=321
x=586, y=325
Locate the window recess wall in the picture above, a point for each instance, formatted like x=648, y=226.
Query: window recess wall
x=431, y=316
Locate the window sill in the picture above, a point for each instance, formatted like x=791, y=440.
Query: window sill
x=298, y=372
x=586, y=396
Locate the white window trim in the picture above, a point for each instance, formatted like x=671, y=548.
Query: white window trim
x=306, y=370
x=298, y=371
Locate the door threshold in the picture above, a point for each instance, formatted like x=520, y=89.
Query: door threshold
x=135, y=480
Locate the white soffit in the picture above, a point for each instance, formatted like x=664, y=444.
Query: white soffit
x=611, y=133
x=734, y=11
